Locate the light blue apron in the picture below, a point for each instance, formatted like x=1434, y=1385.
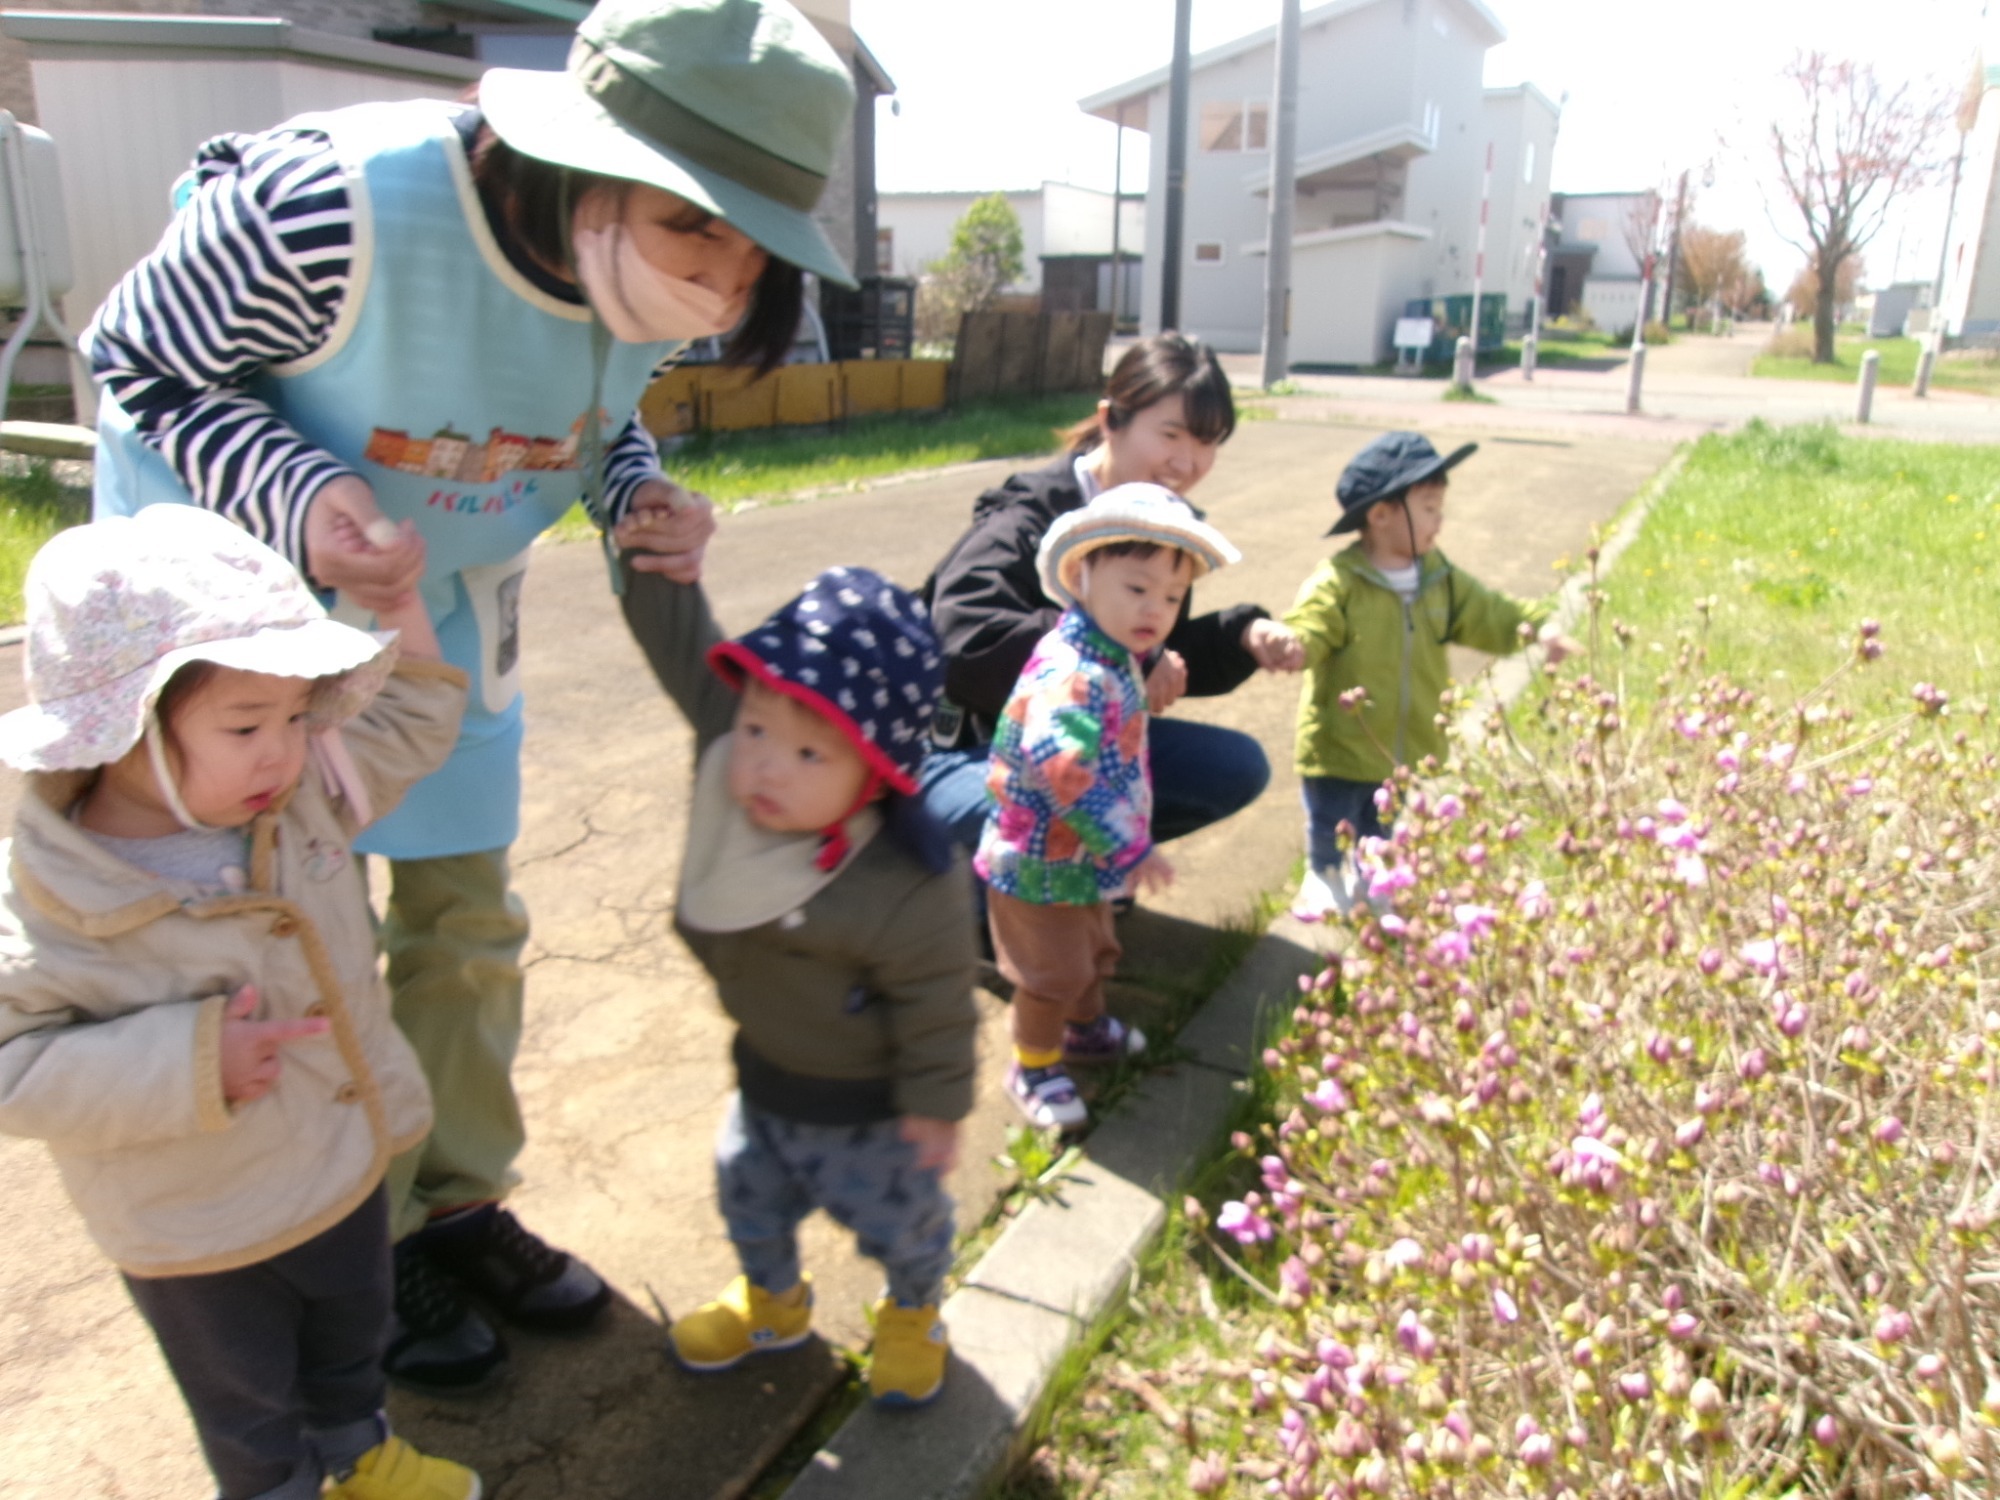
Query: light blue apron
x=457, y=389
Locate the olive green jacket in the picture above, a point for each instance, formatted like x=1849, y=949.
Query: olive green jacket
x=1359, y=632
x=863, y=993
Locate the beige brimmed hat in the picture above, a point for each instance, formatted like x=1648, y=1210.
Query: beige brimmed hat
x=1127, y=513
x=735, y=105
x=117, y=607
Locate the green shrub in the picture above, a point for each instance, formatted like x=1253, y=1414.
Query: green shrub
x=1643, y=1143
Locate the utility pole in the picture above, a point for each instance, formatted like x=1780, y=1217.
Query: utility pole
x=1674, y=249
x=1531, y=345
x=1118, y=224
x=1177, y=113
x=1284, y=163
x=1479, y=254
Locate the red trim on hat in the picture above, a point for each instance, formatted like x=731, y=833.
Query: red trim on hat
x=732, y=661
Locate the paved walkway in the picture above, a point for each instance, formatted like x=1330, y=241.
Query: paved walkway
x=623, y=1069
x=1694, y=385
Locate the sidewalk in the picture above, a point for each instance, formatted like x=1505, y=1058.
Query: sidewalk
x=1694, y=385
x=623, y=1069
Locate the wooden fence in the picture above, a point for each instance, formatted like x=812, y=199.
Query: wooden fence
x=1028, y=354
x=718, y=399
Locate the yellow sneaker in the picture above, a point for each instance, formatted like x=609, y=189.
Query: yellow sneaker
x=745, y=1319
x=393, y=1470
x=910, y=1354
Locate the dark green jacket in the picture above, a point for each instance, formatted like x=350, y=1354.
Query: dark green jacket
x=1359, y=632
x=859, y=1005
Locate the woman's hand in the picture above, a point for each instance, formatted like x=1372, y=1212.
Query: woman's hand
x=936, y=1141
x=1152, y=873
x=669, y=528
x=353, y=548
x=1274, y=645
x=1166, y=682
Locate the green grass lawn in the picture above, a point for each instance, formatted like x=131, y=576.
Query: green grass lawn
x=1898, y=367
x=1799, y=533
x=775, y=463
x=33, y=508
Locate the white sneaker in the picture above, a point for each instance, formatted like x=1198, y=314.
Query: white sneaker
x=1321, y=894
x=1047, y=1096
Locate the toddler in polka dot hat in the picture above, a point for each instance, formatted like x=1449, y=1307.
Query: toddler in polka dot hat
x=834, y=919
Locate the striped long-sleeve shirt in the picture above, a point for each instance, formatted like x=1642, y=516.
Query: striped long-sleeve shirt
x=253, y=271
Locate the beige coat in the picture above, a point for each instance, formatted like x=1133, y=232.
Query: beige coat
x=112, y=988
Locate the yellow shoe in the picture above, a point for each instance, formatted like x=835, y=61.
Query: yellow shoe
x=910, y=1354
x=745, y=1319
x=393, y=1470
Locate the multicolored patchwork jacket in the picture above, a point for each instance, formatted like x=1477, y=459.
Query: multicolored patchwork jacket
x=1073, y=797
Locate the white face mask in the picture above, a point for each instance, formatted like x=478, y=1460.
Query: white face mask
x=638, y=301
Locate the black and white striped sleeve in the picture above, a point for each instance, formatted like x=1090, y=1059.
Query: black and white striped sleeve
x=251, y=272
x=628, y=463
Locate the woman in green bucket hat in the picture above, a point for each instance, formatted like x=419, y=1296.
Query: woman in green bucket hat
x=385, y=340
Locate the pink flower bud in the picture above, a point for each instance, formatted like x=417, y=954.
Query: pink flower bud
x=1709, y=962
x=1660, y=1048
x=1635, y=1385
x=1753, y=1065
x=1404, y=1253
x=1537, y=1449
x=1504, y=1309
x=1673, y=1299
x=1889, y=1130
x=1929, y=1369
x=1893, y=1326
x=1826, y=1431
x=1688, y=1134
x=1449, y=807
x=1683, y=1326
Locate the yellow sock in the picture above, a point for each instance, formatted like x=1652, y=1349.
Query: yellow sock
x=1030, y=1057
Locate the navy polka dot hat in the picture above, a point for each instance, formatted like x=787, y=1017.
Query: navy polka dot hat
x=859, y=652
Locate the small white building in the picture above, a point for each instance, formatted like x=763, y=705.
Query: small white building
x=1394, y=124
x=1970, y=309
x=1066, y=241
x=1596, y=265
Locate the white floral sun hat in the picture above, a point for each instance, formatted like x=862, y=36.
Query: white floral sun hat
x=117, y=607
x=1127, y=513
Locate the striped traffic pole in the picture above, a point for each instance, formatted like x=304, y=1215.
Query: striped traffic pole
x=1479, y=256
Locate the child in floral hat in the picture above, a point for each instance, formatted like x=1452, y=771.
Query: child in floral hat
x=1071, y=827
x=830, y=913
x=190, y=1012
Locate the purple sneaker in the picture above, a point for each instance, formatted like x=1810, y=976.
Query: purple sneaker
x=1105, y=1040
x=1047, y=1096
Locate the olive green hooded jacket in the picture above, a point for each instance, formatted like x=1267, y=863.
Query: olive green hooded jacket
x=1359, y=632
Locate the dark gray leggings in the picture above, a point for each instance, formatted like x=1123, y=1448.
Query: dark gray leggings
x=281, y=1362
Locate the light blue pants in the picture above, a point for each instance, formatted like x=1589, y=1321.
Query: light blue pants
x=770, y=1172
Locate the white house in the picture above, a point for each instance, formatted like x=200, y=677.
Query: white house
x=1971, y=305
x=1066, y=241
x=1393, y=130
x=1595, y=265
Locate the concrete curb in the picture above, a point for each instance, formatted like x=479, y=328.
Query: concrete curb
x=1064, y=1260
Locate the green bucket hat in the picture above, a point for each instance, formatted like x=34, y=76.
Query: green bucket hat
x=735, y=105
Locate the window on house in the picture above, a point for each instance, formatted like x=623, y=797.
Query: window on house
x=885, y=251
x=1528, y=164
x=1235, y=125
x=1208, y=253
x=1433, y=117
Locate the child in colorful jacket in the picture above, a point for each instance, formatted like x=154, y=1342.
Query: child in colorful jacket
x=1376, y=617
x=1070, y=830
x=191, y=1012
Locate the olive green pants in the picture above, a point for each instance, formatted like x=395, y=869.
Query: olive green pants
x=453, y=935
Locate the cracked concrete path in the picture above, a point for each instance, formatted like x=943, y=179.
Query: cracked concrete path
x=623, y=1070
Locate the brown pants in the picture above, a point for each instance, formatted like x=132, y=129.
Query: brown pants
x=1057, y=958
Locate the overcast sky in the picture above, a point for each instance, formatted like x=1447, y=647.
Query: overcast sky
x=986, y=95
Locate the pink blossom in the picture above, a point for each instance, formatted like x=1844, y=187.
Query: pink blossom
x=1416, y=1339
x=1728, y=760
x=1505, y=1310
x=1243, y=1223
x=1778, y=757
x=1534, y=901
x=1860, y=786
x=1450, y=808
x=1688, y=725
x=1690, y=871
x=1451, y=948
x=1796, y=783
x=1676, y=836
x=1405, y=1252
x=1793, y=1018
x=1683, y=1325
x=1474, y=921
x=1765, y=955
x=1634, y=1385
x=1294, y=1277
x=1537, y=1449
x=1893, y=1326
x=1889, y=1130
x=1826, y=1431
x=1753, y=1065
x=1673, y=810
x=1474, y=855
x=1329, y=1097
x=1688, y=1134
x=1383, y=799
x=1392, y=924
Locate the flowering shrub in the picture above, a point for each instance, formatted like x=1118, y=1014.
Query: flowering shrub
x=1644, y=1141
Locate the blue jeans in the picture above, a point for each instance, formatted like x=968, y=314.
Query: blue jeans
x=1201, y=775
x=1330, y=801
x=771, y=1172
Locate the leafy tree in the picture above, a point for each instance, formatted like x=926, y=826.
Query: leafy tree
x=1849, y=147
x=985, y=257
x=1714, y=264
